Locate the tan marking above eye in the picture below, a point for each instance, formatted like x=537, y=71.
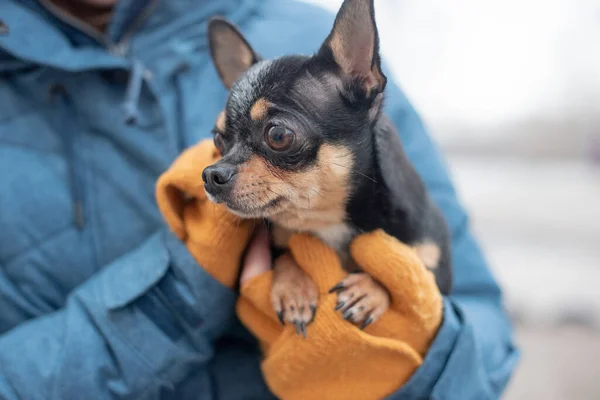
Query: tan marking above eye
x=259, y=109
x=220, y=124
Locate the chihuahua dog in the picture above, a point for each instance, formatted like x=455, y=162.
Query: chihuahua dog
x=305, y=145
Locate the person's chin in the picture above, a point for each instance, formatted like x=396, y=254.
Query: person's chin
x=101, y=3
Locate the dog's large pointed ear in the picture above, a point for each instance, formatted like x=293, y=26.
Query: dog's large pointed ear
x=230, y=51
x=354, y=44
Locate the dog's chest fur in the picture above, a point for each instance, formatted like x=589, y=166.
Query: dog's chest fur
x=337, y=236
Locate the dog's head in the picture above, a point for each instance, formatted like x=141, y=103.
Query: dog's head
x=296, y=130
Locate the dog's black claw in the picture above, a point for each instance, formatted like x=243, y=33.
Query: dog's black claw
x=280, y=316
x=303, y=329
x=366, y=323
x=339, y=305
x=337, y=288
x=298, y=327
x=313, y=310
x=348, y=315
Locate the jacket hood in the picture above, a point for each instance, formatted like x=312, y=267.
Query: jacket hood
x=28, y=20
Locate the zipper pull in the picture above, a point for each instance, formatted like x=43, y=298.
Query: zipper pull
x=78, y=215
x=3, y=28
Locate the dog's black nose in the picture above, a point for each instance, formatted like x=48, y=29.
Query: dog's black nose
x=218, y=178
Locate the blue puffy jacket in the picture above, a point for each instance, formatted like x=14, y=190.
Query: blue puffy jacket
x=97, y=299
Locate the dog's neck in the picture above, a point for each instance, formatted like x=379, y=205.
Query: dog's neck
x=388, y=193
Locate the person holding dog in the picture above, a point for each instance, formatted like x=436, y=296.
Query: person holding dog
x=100, y=298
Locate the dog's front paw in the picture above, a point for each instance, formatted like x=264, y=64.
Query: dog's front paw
x=294, y=295
x=361, y=299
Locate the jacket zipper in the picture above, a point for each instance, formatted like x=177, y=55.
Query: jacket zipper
x=68, y=136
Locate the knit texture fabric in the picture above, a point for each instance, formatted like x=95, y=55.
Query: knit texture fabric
x=338, y=360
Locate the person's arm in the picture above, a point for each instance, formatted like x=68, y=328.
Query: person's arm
x=147, y=321
x=474, y=353
x=134, y=330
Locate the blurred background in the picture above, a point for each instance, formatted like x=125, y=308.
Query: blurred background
x=510, y=89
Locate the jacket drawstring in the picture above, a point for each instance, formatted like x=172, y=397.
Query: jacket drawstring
x=133, y=93
x=181, y=115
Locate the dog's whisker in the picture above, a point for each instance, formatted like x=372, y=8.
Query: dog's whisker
x=317, y=192
x=274, y=192
x=357, y=172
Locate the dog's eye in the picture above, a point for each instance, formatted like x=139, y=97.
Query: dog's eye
x=219, y=142
x=279, y=138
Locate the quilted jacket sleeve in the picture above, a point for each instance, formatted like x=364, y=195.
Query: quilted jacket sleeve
x=132, y=331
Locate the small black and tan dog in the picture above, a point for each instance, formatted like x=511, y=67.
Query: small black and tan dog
x=306, y=147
